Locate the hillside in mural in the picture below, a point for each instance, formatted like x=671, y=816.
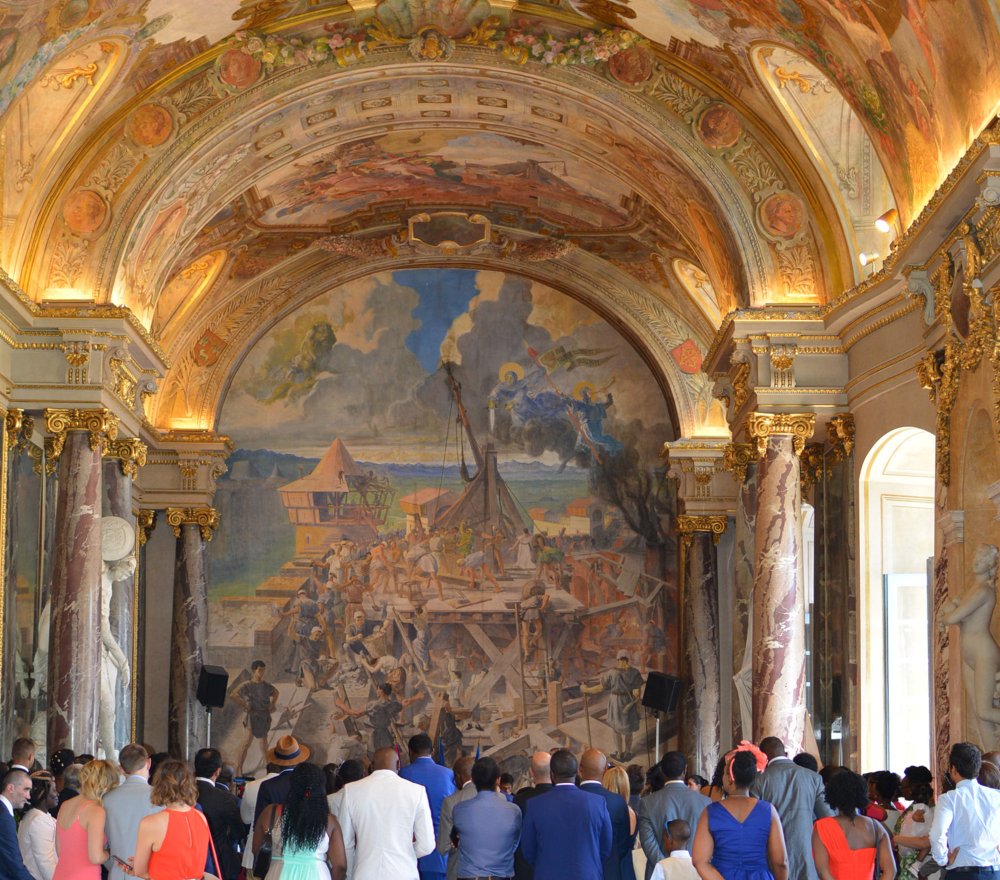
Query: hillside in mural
x=447, y=482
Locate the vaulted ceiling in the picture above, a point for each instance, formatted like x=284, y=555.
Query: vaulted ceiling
x=214, y=165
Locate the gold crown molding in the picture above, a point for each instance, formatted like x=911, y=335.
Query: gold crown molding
x=714, y=524
x=19, y=428
x=146, y=521
x=130, y=452
x=195, y=437
x=206, y=518
x=99, y=423
x=737, y=458
x=761, y=426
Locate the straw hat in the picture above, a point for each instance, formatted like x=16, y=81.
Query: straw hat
x=288, y=752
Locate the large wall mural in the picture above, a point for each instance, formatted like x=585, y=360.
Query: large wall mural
x=446, y=511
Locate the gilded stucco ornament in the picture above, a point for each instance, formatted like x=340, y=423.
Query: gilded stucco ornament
x=736, y=458
x=146, y=522
x=206, y=518
x=762, y=426
x=714, y=524
x=19, y=428
x=130, y=452
x=100, y=424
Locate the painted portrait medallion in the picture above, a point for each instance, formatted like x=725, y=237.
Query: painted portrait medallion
x=150, y=125
x=85, y=211
x=631, y=67
x=238, y=69
x=782, y=215
x=719, y=126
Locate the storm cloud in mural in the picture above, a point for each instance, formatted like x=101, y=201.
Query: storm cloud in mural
x=447, y=481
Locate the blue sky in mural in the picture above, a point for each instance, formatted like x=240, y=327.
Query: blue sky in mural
x=444, y=295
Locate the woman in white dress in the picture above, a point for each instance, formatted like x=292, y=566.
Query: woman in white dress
x=523, y=544
x=306, y=840
x=36, y=835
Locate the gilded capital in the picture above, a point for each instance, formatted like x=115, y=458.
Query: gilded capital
x=146, y=522
x=714, y=524
x=813, y=465
x=99, y=423
x=762, y=426
x=19, y=428
x=736, y=458
x=840, y=434
x=130, y=452
x=206, y=518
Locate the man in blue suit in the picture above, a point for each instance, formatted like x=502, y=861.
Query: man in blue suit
x=566, y=832
x=16, y=787
x=593, y=763
x=439, y=783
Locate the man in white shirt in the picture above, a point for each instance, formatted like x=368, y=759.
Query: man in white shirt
x=247, y=806
x=965, y=834
x=677, y=865
x=386, y=822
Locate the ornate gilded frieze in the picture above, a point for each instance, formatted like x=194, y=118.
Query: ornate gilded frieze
x=713, y=524
x=146, y=522
x=130, y=452
x=100, y=424
x=206, y=518
x=736, y=458
x=761, y=426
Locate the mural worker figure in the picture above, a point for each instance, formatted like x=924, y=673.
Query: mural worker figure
x=477, y=563
x=333, y=607
x=354, y=637
x=258, y=699
x=492, y=541
x=306, y=613
x=381, y=714
x=533, y=607
x=625, y=685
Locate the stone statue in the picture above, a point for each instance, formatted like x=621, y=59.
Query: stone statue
x=973, y=613
x=117, y=541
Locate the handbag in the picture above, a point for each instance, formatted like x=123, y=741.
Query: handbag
x=262, y=861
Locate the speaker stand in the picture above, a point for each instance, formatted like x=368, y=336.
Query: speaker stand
x=208, y=732
x=657, y=738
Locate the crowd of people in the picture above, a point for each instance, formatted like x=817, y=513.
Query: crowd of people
x=764, y=816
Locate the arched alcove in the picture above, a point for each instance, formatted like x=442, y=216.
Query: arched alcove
x=896, y=541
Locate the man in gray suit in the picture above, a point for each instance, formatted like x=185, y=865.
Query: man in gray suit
x=466, y=791
x=126, y=806
x=798, y=795
x=674, y=801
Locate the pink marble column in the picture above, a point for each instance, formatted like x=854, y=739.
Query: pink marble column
x=75, y=642
x=779, y=648
x=188, y=721
x=743, y=562
x=701, y=595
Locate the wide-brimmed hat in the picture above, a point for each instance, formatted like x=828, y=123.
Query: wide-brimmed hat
x=288, y=752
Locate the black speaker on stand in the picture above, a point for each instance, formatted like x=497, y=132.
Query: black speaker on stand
x=661, y=694
x=212, y=684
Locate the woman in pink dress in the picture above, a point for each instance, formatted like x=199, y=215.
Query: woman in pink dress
x=80, y=841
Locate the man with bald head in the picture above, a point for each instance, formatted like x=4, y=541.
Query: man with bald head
x=386, y=822
x=566, y=832
x=541, y=782
x=16, y=787
x=466, y=791
x=593, y=763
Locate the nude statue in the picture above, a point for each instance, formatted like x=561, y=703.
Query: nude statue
x=973, y=613
x=117, y=542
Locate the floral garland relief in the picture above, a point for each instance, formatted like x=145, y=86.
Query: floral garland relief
x=251, y=55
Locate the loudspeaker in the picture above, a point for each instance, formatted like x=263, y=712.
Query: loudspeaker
x=662, y=693
x=212, y=684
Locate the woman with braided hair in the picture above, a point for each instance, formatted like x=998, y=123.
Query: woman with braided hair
x=306, y=840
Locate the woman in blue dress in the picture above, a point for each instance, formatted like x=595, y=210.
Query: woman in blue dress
x=740, y=838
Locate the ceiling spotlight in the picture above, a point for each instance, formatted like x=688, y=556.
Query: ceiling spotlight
x=887, y=222
x=865, y=259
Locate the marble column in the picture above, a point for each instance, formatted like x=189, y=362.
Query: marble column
x=188, y=721
x=75, y=444
x=123, y=459
x=698, y=536
x=738, y=459
x=145, y=523
x=778, y=619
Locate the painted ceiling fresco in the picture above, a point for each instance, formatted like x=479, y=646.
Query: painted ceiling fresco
x=180, y=157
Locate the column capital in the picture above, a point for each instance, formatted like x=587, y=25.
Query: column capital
x=813, y=465
x=736, y=458
x=704, y=485
x=19, y=428
x=714, y=524
x=206, y=518
x=146, y=523
x=99, y=423
x=761, y=426
x=130, y=452
x=840, y=435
